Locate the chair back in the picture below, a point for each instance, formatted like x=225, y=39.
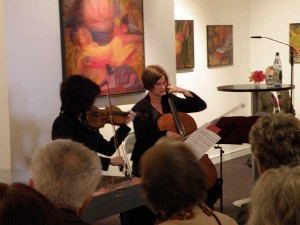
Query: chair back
x=129, y=143
x=127, y=146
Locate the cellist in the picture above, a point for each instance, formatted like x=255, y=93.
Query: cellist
x=78, y=94
x=152, y=107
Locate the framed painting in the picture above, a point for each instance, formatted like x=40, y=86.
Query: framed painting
x=184, y=39
x=295, y=41
x=219, y=45
x=104, y=41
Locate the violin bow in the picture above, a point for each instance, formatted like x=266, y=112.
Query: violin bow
x=116, y=142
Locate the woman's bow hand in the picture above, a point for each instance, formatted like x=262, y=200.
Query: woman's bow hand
x=117, y=161
x=130, y=117
x=173, y=136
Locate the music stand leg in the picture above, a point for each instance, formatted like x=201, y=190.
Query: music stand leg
x=221, y=175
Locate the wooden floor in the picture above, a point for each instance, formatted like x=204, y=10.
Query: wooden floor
x=237, y=183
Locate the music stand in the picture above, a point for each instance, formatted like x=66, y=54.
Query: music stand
x=234, y=130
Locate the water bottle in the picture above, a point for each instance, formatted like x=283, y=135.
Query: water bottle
x=277, y=71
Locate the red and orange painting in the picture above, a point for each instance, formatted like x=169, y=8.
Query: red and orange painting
x=184, y=39
x=104, y=41
x=219, y=45
x=295, y=41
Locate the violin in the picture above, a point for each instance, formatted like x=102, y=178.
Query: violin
x=97, y=118
x=184, y=124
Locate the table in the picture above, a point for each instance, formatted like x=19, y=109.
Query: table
x=254, y=91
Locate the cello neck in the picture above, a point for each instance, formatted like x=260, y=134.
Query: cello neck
x=178, y=123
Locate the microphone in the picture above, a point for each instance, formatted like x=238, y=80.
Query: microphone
x=259, y=37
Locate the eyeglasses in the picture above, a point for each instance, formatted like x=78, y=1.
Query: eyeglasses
x=158, y=84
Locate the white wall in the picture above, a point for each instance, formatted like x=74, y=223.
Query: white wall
x=34, y=73
x=203, y=80
x=271, y=18
x=5, y=159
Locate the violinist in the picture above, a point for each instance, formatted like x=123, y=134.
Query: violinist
x=78, y=94
x=152, y=107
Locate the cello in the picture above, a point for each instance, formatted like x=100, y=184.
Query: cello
x=184, y=124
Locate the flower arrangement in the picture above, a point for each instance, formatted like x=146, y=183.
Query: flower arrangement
x=257, y=76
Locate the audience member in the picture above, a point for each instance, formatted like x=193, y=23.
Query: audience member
x=21, y=204
x=275, y=141
x=67, y=173
x=274, y=101
x=173, y=186
x=275, y=198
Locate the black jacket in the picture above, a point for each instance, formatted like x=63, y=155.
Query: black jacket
x=145, y=126
x=69, y=126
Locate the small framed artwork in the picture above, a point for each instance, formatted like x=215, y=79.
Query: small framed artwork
x=219, y=45
x=184, y=38
x=295, y=41
x=104, y=41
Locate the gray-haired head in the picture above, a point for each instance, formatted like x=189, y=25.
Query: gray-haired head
x=66, y=172
x=275, y=198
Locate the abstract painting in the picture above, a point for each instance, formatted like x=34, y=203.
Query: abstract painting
x=184, y=38
x=295, y=41
x=104, y=41
x=219, y=45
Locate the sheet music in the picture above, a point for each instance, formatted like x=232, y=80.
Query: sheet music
x=203, y=139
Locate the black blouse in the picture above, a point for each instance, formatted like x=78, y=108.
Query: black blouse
x=69, y=126
x=145, y=126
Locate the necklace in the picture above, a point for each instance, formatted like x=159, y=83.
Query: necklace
x=183, y=214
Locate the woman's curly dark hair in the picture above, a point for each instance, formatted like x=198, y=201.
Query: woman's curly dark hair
x=77, y=94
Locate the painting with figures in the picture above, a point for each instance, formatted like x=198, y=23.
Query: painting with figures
x=104, y=41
